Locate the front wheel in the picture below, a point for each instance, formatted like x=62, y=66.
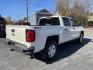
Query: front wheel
x=50, y=50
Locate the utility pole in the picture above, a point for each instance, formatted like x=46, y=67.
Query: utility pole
x=27, y=3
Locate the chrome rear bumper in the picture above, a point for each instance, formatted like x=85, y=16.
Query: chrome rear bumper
x=19, y=47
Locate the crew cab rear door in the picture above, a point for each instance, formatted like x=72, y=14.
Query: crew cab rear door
x=76, y=29
x=67, y=29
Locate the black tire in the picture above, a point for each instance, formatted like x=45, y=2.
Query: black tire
x=80, y=39
x=50, y=48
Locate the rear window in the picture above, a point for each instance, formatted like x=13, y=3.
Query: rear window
x=50, y=21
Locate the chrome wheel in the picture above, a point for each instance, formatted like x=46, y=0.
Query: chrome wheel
x=52, y=51
x=81, y=38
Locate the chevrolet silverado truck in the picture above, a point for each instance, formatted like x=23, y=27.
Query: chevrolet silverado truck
x=45, y=36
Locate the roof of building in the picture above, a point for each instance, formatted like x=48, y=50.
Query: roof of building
x=43, y=11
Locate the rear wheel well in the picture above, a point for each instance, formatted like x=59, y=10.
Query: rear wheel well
x=82, y=32
x=53, y=38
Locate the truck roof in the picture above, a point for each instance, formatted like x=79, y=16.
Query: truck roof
x=55, y=16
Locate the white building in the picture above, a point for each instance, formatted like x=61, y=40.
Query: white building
x=90, y=19
x=34, y=18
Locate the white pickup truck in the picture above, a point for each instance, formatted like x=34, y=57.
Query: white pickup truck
x=44, y=37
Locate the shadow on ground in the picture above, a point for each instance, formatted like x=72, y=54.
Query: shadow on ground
x=65, y=50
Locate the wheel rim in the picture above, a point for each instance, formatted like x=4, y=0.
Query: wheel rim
x=81, y=38
x=52, y=51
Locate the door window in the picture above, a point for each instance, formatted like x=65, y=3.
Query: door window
x=73, y=22
x=66, y=21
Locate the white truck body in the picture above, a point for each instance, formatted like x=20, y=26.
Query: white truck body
x=65, y=33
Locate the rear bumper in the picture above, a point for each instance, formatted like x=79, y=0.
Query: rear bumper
x=19, y=47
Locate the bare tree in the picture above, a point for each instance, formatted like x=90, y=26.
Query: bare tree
x=62, y=7
x=79, y=12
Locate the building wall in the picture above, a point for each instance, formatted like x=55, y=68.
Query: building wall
x=32, y=19
x=41, y=15
x=90, y=18
x=90, y=21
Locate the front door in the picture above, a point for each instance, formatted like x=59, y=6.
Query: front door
x=76, y=30
x=67, y=30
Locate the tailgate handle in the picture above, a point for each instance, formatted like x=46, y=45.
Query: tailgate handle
x=37, y=27
x=65, y=29
x=13, y=30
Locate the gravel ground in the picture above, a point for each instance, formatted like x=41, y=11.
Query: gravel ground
x=71, y=56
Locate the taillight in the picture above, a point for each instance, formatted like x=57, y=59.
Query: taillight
x=30, y=35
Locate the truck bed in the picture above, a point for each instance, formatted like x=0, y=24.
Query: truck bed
x=16, y=33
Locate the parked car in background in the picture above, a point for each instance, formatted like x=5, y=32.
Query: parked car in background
x=3, y=23
x=2, y=31
x=44, y=37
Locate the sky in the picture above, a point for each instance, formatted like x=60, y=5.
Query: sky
x=17, y=8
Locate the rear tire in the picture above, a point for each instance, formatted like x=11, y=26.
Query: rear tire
x=80, y=39
x=50, y=50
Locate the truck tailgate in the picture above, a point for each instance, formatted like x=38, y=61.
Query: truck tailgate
x=16, y=33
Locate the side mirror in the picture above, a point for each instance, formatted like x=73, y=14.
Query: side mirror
x=75, y=25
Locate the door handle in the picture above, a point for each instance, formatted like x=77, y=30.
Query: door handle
x=74, y=28
x=65, y=29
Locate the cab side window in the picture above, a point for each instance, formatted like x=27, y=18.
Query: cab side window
x=66, y=21
x=73, y=22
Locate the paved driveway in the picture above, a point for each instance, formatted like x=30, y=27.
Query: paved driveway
x=71, y=56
